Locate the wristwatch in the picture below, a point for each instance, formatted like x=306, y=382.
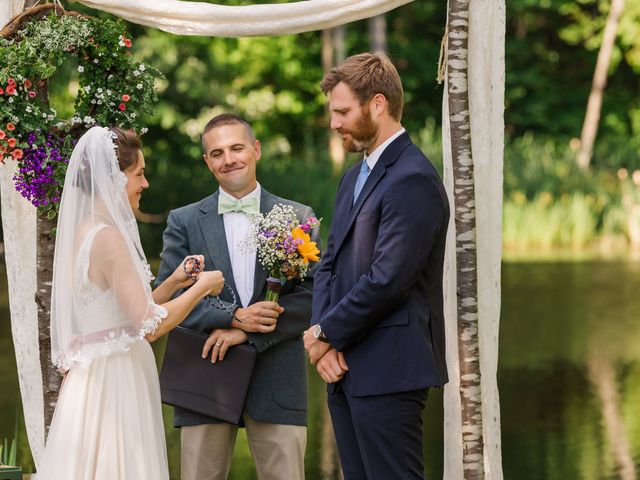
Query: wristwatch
x=319, y=334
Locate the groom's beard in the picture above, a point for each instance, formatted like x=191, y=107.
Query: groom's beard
x=363, y=134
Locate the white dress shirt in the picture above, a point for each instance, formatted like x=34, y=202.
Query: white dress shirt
x=243, y=264
x=373, y=158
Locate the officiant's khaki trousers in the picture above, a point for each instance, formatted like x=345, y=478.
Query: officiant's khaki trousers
x=277, y=450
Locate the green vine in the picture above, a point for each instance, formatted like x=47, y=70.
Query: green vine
x=113, y=89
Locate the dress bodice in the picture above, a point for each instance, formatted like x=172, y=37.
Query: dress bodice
x=100, y=325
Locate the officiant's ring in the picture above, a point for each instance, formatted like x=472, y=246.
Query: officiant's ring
x=218, y=345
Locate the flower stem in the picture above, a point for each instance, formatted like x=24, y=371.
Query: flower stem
x=274, y=285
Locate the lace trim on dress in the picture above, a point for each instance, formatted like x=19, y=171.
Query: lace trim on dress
x=150, y=325
x=116, y=341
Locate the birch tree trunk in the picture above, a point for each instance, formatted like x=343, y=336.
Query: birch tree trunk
x=378, y=33
x=51, y=379
x=594, y=105
x=466, y=248
x=333, y=52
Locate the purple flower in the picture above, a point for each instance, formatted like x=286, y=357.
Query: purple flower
x=35, y=178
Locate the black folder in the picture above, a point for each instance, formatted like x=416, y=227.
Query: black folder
x=191, y=382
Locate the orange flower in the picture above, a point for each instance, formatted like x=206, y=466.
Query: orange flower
x=27, y=84
x=1, y=91
x=17, y=154
x=126, y=98
x=11, y=127
x=127, y=43
x=2, y=135
x=11, y=142
x=306, y=247
x=11, y=89
x=11, y=81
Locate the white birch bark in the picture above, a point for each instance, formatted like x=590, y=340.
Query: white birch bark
x=486, y=107
x=465, y=222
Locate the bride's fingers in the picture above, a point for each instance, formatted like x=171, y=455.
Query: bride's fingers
x=192, y=266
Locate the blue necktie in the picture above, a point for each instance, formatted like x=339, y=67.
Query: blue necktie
x=362, y=177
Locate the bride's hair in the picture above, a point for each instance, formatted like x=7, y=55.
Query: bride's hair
x=128, y=144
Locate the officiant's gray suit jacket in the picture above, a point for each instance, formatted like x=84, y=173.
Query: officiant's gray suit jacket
x=278, y=389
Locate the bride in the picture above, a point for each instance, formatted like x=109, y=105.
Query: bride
x=108, y=420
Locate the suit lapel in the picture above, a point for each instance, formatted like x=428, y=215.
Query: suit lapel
x=388, y=158
x=267, y=201
x=213, y=231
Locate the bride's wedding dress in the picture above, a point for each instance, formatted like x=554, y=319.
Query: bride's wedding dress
x=108, y=420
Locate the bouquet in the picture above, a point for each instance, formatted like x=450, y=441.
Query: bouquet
x=283, y=246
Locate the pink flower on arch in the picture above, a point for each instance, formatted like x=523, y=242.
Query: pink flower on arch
x=122, y=107
x=126, y=97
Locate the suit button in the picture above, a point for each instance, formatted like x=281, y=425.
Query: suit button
x=334, y=276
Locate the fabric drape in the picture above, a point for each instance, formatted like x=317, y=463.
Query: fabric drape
x=197, y=18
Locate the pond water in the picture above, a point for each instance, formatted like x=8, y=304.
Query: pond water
x=569, y=379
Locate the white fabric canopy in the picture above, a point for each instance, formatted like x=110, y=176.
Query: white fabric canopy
x=196, y=18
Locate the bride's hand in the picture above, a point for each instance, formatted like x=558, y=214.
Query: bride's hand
x=213, y=280
x=188, y=270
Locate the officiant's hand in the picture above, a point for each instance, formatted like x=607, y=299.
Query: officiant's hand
x=259, y=317
x=219, y=342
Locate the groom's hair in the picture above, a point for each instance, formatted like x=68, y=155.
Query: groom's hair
x=227, y=119
x=368, y=74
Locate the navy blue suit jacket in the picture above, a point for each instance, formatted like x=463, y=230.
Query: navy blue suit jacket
x=378, y=290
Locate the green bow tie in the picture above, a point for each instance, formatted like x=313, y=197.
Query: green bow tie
x=245, y=205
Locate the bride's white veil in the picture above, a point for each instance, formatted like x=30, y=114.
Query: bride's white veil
x=101, y=297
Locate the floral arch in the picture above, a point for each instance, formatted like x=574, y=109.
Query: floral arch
x=484, y=60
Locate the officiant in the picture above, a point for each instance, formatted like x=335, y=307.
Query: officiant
x=275, y=413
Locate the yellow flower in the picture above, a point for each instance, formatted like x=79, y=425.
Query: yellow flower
x=307, y=248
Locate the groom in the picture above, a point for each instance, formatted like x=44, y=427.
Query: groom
x=377, y=335
x=275, y=414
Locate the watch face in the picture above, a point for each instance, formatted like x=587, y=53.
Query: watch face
x=316, y=331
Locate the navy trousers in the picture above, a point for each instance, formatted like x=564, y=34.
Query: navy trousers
x=379, y=437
